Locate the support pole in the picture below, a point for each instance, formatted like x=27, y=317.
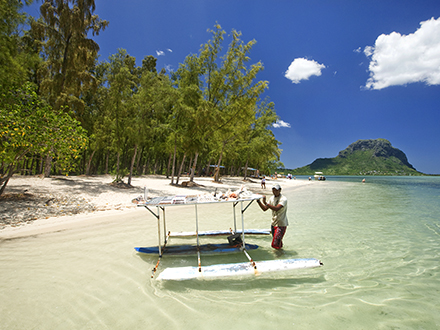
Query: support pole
x=242, y=225
x=235, y=218
x=158, y=231
x=164, y=226
x=249, y=204
x=198, y=243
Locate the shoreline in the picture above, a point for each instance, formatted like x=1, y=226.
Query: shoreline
x=33, y=205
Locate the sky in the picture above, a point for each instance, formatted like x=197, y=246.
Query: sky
x=338, y=71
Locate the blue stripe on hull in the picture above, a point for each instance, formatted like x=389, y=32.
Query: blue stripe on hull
x=192, y=249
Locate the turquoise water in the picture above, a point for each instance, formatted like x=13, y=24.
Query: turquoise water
x=379, y=242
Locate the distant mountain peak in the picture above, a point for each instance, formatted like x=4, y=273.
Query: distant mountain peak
x=380, y=147
x=363, y=157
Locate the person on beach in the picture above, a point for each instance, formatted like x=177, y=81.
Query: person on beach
x=278, y=204
x=263, y=182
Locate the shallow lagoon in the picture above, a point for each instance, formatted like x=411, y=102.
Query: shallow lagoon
x=379, y=242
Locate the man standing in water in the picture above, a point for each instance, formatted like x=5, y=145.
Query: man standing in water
x=278, y=204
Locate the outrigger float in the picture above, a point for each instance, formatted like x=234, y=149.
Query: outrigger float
x=236, y=240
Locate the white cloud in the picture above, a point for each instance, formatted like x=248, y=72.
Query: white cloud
x=402, y=59
x=169, y=68
x=160, y=53
x=281, y=123
x=170, y=50
x=303, y=69
x=368, y=51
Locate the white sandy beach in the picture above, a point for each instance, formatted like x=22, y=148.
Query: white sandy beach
x=29, y=203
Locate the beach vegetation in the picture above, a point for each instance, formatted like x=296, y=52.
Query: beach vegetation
x=67, y=53
x=117, y=109
x=113, y=116
x=224, y=102
x=32, y=130
x=13, y=59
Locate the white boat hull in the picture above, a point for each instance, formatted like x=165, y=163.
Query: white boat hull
x=238, y=269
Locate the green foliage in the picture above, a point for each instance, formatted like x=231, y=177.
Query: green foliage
x=220, y=100
x=30, y=126
x=208, y=111
x=12, y=59
x=259, y=145
x=69, y=55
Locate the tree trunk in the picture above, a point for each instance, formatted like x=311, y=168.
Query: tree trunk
x=89, y=163
x=24, y=169
x=40, y=170
x=117, y=168
x=11, y=169
x=217, y=170
x=147, y=166
x=180, y=169
x=31, y=172
x=168, y=166
x=199, y=170
x=132, y=164
x=83, y=162
x=189, y=165
x=174, y=162
x=208, y=168
x=4, y=181
x=106, y=162
x=193, y=168
x=48, y=166
x=138, y=163
x=245, y=169
x=37, y=165
x=161, y=162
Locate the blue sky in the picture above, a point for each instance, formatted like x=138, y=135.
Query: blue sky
x=338, y=71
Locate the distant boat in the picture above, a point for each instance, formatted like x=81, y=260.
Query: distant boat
x=319, y=176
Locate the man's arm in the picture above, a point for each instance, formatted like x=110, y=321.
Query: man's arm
x=275, y=208
x=264, y=206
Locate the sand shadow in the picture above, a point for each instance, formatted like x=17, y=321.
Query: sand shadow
x=244, y=283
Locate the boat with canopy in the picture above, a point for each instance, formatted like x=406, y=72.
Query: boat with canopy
x=236, y=240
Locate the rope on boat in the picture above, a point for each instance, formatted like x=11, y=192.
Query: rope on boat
x=160, y=257
x=247, y=255
x=198, y=256
x=252, y=262
x=250, y=259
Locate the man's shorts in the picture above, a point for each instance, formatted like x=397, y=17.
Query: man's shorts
x=278, y=234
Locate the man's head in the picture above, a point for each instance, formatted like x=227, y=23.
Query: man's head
x=276, y=189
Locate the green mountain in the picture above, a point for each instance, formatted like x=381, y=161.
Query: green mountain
x=363, y=157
